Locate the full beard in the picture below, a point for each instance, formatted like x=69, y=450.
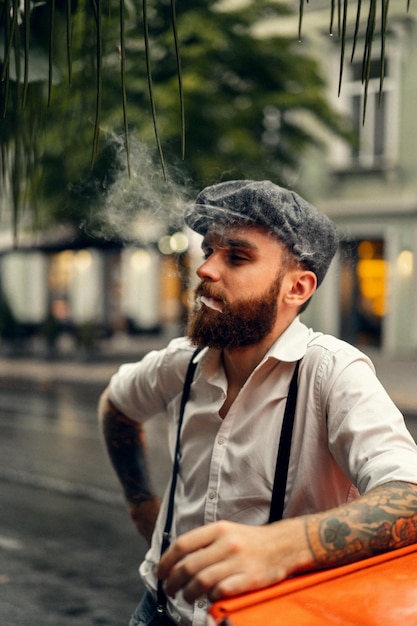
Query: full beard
x=242, y=323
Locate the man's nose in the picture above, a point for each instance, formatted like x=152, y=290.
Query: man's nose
x=209, y=269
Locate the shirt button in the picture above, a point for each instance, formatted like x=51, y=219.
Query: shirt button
x=201, y=604
x=221, y=441
x=212, y=495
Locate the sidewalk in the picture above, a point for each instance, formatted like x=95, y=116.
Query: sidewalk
x=397, y=374
x=95, y=368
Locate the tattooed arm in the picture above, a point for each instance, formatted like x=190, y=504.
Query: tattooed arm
x=225, y=559
x=382, y=520
x=125, y=442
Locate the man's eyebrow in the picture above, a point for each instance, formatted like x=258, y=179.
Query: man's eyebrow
x=229, y=242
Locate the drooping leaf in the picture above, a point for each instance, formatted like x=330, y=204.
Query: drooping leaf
x=51, y=47
x=123, y=80
x=150, y=83
x=97, y=7
x=179, y=73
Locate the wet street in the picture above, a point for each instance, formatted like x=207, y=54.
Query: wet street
x=68, y=551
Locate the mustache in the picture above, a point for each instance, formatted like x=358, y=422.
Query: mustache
x=203, y=289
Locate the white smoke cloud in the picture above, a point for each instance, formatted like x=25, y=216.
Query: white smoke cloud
x=141, y=206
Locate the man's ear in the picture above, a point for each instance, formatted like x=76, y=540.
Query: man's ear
x=301, y=287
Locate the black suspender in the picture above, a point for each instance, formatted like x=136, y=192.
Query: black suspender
x=284, y=449
x=281, y=469
x=166, y=537
x=176, y=464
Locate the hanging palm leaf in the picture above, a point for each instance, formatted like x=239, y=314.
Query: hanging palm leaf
x=15, y=17
x=32, y=51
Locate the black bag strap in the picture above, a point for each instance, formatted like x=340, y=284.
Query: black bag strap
x=284, y=449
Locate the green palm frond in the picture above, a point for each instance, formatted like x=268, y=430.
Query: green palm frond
x=15, y=16
x=69, y=39
x=34, y=52
x=123, y=79
x=179, y=73
x=150, y=82
x=97, y=10
x=51, y=47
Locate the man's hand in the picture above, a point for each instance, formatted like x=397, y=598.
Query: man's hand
x=225, y=558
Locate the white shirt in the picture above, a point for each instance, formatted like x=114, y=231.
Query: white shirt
x=348, y=435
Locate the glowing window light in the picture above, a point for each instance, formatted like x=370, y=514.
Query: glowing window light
x=83, y=260
x=405, y=263
x=164, y=245
x=179, y=242
x=140, y=260
x=372, y=278
x=173, y=244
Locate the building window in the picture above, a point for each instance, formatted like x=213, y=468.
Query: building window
x=377, y=137
x=363, y=291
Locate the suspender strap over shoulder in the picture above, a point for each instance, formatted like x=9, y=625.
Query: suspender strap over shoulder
x=175, y=468
x=162, y=600
x=284, y=449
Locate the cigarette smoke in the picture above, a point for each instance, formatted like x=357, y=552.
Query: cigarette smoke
x=141, y=206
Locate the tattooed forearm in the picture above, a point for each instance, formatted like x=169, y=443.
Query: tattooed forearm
x=126, y=447
x=382, y=520
x=125, y=442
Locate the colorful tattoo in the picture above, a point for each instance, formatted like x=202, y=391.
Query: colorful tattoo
x=382, y=520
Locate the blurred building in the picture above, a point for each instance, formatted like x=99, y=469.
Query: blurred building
x=370, y=188
x=88, y=290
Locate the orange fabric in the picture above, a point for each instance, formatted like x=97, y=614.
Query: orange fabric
x=378, y=590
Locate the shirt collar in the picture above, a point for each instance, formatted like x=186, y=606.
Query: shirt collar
x=292, y=344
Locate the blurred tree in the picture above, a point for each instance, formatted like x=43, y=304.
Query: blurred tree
x=243, y=99
x=243, y=94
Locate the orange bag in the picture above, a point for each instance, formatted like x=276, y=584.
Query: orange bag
x=381, y=590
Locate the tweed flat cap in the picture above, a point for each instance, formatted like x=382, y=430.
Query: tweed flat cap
x=307, y=232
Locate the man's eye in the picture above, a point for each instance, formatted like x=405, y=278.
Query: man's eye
x=238, y=258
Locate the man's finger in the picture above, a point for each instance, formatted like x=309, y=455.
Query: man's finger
x=208, y=581
x=198, y=572
x=189, y=543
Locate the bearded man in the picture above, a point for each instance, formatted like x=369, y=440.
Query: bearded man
x=251, y=504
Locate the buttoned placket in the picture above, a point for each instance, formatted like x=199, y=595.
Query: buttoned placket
x=220, y=449
x=213, y=488
x=215, y=477
x=214, y=482
x=200, y=612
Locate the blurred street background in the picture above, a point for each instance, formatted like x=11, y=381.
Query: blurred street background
x=69, y=553
x=96, y=265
